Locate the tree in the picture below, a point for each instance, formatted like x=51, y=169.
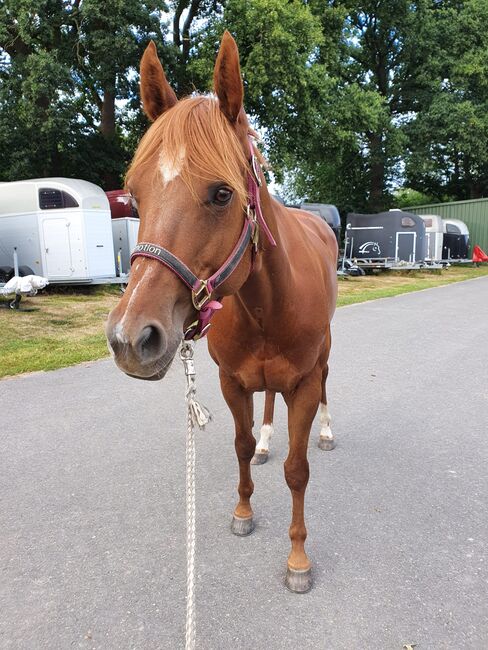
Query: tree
x=447, y=155
x=110, y=38
x=277, y=42
x=36, y=89
x=69, y=85
x=185, y=14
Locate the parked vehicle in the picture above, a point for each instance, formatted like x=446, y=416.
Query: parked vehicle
x=125, y=232
x=121, y=204
x=60, y=228
x=328, y=213
x=385, y=240
x=434, y=237
x=455, y=240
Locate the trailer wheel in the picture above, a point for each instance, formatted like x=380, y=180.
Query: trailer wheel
x=6, y=273
x=15, y=303
x=25, y=270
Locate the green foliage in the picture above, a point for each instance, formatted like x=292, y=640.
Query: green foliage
x=406, y=197
x=278, y=44
x=352, y=99
x=447, y=155
x=68, y=84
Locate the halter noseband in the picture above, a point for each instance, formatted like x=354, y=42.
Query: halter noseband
x=201, y=290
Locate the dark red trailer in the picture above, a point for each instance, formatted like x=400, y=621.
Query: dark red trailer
x=121, y=204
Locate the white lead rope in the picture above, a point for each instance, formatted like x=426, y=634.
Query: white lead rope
x=197, y=415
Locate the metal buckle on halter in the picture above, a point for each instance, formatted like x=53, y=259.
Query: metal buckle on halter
x=203, y=332
x=256, y=168
x=198, y=302
x=253, y=218
x=193, y=326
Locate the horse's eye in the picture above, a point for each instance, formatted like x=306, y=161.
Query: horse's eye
x=222, y=196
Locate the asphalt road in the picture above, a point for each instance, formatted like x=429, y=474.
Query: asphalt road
x=92, y=528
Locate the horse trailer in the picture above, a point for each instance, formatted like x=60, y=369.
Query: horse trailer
x=456, y=240
x=385, y=240
x=473, y=213
x=434, y=237
x=328, y=213
x=60, y=228
x=125, y=231
x=121, y=204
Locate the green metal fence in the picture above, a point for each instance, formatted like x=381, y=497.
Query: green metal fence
x=474, y=213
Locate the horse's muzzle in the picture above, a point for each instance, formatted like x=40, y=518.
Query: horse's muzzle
x=145, y=353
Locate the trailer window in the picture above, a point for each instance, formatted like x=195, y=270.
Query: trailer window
x=451, y=228
x=52, y=199
x=408, y=222
x=428, y=223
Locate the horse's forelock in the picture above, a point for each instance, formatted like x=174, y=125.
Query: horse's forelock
x=195, y=141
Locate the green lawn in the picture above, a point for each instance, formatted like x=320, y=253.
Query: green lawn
x=57, y=329
x=63, y=327
x=393, y=283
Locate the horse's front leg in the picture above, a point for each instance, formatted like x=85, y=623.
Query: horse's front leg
x=240, y=403
x=262, y=448
x=302, y=406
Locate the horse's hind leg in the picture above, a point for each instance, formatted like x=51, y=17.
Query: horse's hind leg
x=326, y=438
x=241, y=405
x=302, y=406
x=262, y=448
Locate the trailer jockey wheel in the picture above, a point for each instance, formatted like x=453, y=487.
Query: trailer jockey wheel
x=15, y=304
x=25, y=270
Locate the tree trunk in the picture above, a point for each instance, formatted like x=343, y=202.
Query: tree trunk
x=377, y=172
x=107, y=124
x=111, y=180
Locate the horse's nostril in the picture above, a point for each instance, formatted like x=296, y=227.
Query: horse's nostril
x=150, y=343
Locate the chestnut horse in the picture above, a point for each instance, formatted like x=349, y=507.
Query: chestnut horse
x=199, y=189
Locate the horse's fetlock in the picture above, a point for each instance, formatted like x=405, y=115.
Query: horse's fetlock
x=298, y=533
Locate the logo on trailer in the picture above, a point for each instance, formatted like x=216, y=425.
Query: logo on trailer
x=370, y=247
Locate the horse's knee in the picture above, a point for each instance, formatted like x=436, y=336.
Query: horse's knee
x=245, y=446
x=296, y=473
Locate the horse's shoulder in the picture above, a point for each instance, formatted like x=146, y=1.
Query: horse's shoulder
x=311, y=224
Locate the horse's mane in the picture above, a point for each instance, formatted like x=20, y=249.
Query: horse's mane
x=196, y=137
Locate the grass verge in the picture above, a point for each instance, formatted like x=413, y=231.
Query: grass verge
x=394, y=283
x=61, y=328
x=55, y=329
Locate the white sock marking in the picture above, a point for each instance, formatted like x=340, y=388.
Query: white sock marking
x=266, y=432
x=324, y=417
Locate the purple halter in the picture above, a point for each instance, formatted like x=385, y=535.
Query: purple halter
x=201, y=290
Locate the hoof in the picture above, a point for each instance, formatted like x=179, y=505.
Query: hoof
x=242, y=527
x=260, y=457
x=326, y=444
x=298, y=581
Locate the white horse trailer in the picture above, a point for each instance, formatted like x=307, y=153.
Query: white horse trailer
x=125, y=231
x=434, y=236
x=60, y=228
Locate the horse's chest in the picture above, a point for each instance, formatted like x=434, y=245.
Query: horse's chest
x=263, y=367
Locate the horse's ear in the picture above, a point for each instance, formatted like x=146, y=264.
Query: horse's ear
x=227, y=78
x=156, y=93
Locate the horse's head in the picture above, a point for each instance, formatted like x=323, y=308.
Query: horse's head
x=188, y=180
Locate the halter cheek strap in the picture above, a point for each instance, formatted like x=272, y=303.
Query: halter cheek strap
x=201, y=290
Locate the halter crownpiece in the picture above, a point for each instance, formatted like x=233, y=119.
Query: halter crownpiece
x=201, y=290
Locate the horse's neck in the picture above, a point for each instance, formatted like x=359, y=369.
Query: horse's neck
x=270, y=283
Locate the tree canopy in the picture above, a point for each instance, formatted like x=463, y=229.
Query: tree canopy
x=361, y=104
